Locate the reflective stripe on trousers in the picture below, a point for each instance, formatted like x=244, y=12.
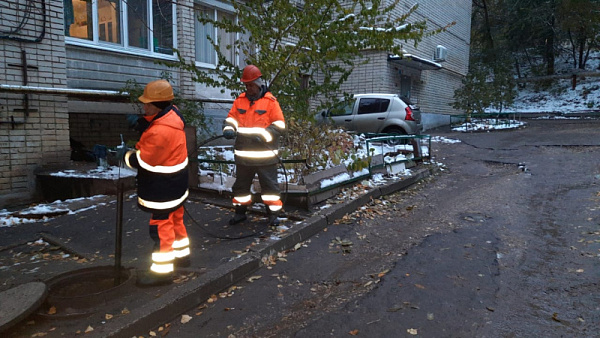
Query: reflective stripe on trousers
x=170, y=240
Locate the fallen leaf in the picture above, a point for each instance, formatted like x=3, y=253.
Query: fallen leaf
x=555, y=317
x=430, y=316
x=52, y=310
x=89, y=329
x=419, y=286
x=253, y=278
x=108, y=316
x=297, y=246
x=346, y=242
x=579, y=270
x=414, y=332
x=353, y=332
x=185, y=319
x=39, y=334
x=125, y=311
x=383, y=273
x=152, y=334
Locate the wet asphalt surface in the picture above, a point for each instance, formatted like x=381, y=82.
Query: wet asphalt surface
x=503, y=242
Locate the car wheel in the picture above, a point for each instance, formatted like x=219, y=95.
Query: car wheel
x=396, y=131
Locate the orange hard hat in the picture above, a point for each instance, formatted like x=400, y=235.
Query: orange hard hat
x=157, y=91
x=251, y=73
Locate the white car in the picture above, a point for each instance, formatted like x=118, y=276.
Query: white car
x=377, y=114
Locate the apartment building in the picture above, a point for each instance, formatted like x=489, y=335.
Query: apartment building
x=62, y=63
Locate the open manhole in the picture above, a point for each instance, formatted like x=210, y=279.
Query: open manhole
x=79, y=292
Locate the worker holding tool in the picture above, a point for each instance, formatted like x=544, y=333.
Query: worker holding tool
x=161, y=159
x=257, y=121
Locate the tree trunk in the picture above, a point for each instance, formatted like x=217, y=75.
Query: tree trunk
x=550, y=48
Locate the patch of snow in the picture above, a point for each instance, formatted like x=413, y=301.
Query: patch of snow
x=442, y=139
x=335, y=180
x=488, y=125
x=7, y=219
x=110, y=173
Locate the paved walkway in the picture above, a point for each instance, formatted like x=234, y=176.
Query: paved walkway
x=81, y=245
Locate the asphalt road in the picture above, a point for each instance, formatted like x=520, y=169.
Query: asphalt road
x=503, y=242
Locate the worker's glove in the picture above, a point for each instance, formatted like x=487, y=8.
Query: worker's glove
x=229, y=134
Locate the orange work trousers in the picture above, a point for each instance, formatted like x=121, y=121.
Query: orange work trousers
x=166, y=229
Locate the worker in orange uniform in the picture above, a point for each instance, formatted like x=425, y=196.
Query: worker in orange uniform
x=256, y=121
x=161, y=159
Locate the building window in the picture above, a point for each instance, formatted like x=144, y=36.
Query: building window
x=205, y=33
x=123, y=24
x=137, y=23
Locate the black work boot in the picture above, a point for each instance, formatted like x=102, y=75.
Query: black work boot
x=273, y=221
x=273, y=218
x=150, y=278
x=183, y=262
x=240, y=215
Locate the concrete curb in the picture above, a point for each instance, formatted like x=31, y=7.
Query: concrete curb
x=197, y=291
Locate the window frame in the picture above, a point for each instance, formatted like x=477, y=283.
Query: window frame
x=217, y=8
x=124, y=46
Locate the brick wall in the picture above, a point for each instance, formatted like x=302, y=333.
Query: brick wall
x=40, y=136
x=104, y=129
x=186, y=19
x=434, y=89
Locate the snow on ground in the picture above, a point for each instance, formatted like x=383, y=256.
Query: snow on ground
x=39, y=212
x=110, y=173
x=488, y=125
x=561, y=97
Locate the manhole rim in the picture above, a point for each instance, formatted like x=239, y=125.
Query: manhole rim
x=82, y=304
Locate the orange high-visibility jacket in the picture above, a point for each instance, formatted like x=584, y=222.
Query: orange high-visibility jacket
x=162, y=163
x=258, y=125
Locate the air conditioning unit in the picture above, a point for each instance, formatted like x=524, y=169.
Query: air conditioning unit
x=440, y=53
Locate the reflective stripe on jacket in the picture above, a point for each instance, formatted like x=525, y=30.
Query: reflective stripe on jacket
x=161, y=159
x=258, y=125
